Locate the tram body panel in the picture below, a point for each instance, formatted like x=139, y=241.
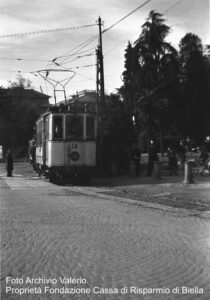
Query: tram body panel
x=39, y=155
x=55, y=153
x=75, y=153
x=71, y=153
x=90, y=153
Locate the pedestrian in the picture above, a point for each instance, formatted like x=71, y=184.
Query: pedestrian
x=32, y=152
x=182, y=153
x=152, y=157
x=204, y=154
x=9, y=163
x=172, y=161
x=136, y=157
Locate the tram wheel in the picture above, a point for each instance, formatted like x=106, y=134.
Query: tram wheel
x=52, y=176
x=59, y=178
x=56, y=177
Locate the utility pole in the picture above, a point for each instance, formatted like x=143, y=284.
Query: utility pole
x=100, y=98
x=100, y=69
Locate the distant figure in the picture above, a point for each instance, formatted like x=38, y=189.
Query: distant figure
x=204, y=154
x=207, y=143
x=172, y=161
x=136, y=157
x=32, y=153
x=182, y=153
x=152, y=156
x=9, y=163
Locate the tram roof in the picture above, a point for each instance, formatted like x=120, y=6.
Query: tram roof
x=69, y=109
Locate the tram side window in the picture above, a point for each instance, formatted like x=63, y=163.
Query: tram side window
x=39, y=133
x=74, y=127
x=58, y=127
x=90, y=128
x=46, y=129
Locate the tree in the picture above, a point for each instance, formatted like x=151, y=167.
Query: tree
x=194, y=106
x=154, y=67
x=5, y=123
x=21, y=82
x=128, y=90
x=16, y=118
x=118, y=132
x=130, y=75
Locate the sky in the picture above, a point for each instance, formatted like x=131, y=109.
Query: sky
x=31, y=55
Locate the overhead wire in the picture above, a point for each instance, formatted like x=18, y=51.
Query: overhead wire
x=87, y=77
x=116, y=46
x=79, y=47
x=13, y=71
x=77, y=50
x=59, y=61
x=166, y=11
x=49, y=70
x=105, y=30
x=110, y=27
x=23, y=59
x=78, y=57
x=74, y=53
x=64, y=69
x=64, y=59
x=133, y=11
x=23, y=34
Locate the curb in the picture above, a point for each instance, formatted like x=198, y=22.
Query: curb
x=158, y=206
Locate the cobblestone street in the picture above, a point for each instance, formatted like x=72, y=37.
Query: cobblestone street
x=52, y=232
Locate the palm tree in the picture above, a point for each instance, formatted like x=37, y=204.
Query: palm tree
x=156, y=57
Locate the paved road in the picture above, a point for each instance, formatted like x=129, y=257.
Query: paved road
x=51, y=232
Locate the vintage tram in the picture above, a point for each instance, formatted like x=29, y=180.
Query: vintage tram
x=66, y=143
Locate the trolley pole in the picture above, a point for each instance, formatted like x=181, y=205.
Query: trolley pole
x=100, y=98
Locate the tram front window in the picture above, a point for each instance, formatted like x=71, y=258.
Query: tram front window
x=74, y=127
x=90, y=128
x=58, y=127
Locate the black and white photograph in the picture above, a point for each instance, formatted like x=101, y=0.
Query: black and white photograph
x=105, y=150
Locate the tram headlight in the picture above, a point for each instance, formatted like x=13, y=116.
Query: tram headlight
x=74, y=156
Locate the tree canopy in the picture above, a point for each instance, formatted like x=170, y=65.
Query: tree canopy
x=167, y=91
x=16, y=118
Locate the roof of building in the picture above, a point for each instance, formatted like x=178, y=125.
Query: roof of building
x=26, y=92
x=87, y=96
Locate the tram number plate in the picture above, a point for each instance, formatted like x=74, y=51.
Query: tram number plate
x=74, y=146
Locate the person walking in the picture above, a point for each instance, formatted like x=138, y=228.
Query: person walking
x=172, y=161
x=9, y=163
x=204, y=154
x=152, y=157
x=182, y=154
x=136, y=155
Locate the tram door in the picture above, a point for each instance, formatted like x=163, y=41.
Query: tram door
x=45, y=140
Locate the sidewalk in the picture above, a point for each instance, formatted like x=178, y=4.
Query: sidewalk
x=169, y=190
